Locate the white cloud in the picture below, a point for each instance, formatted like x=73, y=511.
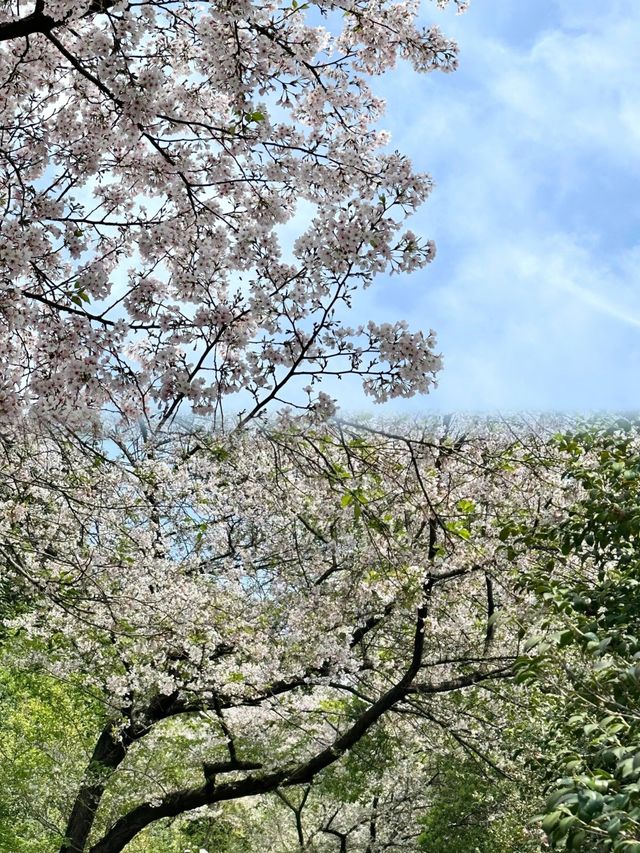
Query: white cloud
x=534, y=147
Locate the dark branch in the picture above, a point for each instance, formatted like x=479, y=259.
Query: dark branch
x=39, y=22
x=110, y=751
x=491, y=609
x=178, y=802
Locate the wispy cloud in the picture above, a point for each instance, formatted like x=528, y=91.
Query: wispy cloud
x=534, y=146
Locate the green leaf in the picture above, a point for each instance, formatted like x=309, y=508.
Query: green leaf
x=562, y=638
x=577, y=840
x=565, y=825
x=466, y=506
x=458, y=528
x=550, y=821
x=614, y=826
x=532, y=642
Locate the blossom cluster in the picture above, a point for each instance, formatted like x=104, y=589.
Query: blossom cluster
x=149, y=159
x=205, y=588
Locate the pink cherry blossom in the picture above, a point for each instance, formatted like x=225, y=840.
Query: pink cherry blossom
x=151, y=154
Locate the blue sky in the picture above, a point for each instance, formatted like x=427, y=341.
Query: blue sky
x=534, y=144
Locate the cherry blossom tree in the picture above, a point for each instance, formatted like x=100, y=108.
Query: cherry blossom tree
x=157, y=159
x=248, y=610
x=193, y=193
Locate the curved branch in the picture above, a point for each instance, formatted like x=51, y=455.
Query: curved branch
x=39, y=22
x=110, y=751
x=177, y=802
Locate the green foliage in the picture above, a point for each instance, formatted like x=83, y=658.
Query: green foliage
x=587, y=657
x=475, y=811
x=39, y=717
x=226, y=833
x=361, y=771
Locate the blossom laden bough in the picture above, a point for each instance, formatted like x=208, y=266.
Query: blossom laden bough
x=259, y=605
x=151, y=155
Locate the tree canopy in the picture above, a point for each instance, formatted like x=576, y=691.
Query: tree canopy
x=154, y=156
x=249, y=612
x=224, y=631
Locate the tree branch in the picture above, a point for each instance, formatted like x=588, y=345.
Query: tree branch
x=110, y=751
x=177, y=802
x=39, y=22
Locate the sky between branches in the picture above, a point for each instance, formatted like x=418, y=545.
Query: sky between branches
x=534, y=144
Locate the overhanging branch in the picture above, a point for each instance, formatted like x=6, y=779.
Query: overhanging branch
x=39, y=22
